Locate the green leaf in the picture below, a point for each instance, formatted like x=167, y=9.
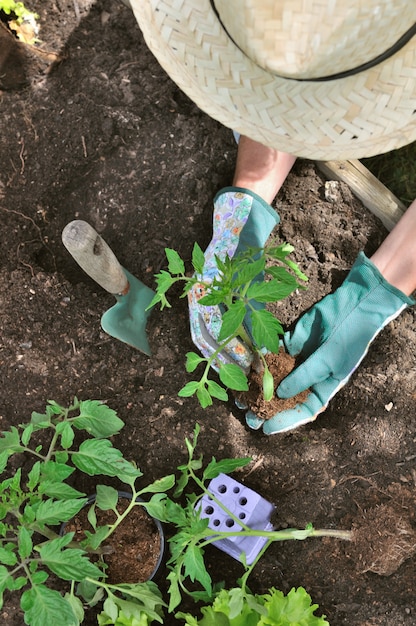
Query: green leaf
x=265, y=330
x=295, y=608
x=67, y=434
x=232, y=376
x=224, y=466
x=68, y=563
x=164, y=282
x=175, y=263
x=110, y=607
x=33, y=476
x=76, y=606
x=198, y=259
x=192, y=361
x=4, y=457
x=156, y=507
x=94, y=540
x=281, y=274
x=268, y=385
x=106, y=498
x=293, y=266
x=160, y=485
x=27, y=433
x=46, y=606
x=40, y=420
x=10, y=441
x=7, y=557
x=203, y=396
x=19, y=582
x=51, y=512
x=53, y=408
x=97, y=419
x=5, y=580
x=39, y=577
x=215, y=296
x=271, y=291
x=189, y=389
x=216, y=391
x=90, y=592
x=24, y=542
x=194, y=567
x=232, y=320
x=98, y=456
x=56, y=472
x=174, y=592
x=59, y=490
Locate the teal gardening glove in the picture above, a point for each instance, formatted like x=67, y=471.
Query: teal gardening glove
x=331, y=339
x=241, y=220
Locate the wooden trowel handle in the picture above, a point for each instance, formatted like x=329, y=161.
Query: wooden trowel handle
x=95, y=257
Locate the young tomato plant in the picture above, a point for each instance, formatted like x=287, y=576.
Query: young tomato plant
x=242, y=299
x=34, y=504
x=193, y=535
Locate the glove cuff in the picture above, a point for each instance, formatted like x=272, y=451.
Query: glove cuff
x=365, y=268
x=260, y=222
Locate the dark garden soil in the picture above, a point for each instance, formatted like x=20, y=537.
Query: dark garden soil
x=103, y=135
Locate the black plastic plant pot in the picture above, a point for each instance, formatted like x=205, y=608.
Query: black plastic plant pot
x=156, y=522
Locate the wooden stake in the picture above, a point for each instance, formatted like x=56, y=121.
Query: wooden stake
x=368, y=189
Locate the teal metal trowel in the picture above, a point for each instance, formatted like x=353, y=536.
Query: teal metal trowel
x=126, y=320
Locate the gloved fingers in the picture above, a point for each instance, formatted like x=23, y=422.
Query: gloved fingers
x=310, y=373
x=254, y=422
x=303, y=413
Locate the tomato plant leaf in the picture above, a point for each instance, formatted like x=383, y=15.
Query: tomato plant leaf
x=175, y=263
x=232, y=319
x=46, y=606
x=198, y=259
x=216, y=391
x=192, y=361
x=232, y=376
x=68, y=563
x=97, y=419
x=266, y=330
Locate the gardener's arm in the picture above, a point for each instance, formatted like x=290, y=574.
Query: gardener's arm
x=396, y=257
x=333, y=337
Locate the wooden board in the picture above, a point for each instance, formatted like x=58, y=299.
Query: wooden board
x=369, y=190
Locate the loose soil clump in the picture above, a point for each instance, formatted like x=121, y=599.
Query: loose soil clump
x=280, y=365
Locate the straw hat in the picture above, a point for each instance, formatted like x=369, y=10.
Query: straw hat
x=322, y=79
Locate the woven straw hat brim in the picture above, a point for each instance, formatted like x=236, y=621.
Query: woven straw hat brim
x=358, y=116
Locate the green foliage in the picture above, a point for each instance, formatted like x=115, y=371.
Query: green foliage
x=237, y=290
x=187, y=545
x=32, y=506
x=238, y=607
x=18, y=9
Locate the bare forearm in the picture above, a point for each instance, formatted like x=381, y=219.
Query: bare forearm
x=396, y=257
x=261, y=169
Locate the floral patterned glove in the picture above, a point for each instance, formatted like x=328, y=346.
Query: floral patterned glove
x=241, y=220
x=332, y=338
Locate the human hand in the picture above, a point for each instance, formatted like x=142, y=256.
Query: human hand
x=241, y=220
x=331, y=339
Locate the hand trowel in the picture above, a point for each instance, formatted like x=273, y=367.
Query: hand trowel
x=126, y=320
